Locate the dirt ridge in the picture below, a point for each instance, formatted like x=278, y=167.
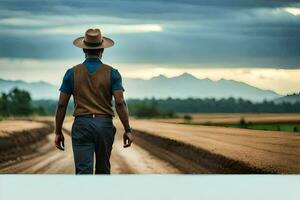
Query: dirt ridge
x=23, y=142
x=199, y=160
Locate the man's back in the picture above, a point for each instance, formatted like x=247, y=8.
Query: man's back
x=92, y=64
x=92, y=94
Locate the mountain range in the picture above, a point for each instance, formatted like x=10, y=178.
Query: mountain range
x=187, y=85
x=183, y=86
x=38, y=90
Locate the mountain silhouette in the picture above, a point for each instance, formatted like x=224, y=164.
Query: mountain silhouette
x=183, y=86
x=187, y=85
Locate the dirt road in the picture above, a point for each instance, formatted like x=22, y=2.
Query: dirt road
x=173, y=148
x=49, y=160
x=273, y=151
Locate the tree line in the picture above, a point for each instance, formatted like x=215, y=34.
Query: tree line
x=19, y=103
x=225, y=105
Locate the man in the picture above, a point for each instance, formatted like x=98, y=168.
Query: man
x=92, y=85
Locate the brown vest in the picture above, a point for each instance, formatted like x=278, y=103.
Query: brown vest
x=92, y=92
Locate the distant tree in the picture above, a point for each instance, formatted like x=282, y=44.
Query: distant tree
x=278, y=127
x=295, y=129
x=39, y=111
x=187, y=118
x=19, y=102
x=4, y=107
x=16, y=103
x=243, y=122
x=148, y=108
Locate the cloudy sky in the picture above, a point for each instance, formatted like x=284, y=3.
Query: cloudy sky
x=255, y=41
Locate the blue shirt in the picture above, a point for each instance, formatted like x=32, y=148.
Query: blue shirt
x=92, y=64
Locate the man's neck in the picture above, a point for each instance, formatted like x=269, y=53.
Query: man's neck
x=92, y=56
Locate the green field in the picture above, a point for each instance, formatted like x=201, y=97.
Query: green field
x=288, y=127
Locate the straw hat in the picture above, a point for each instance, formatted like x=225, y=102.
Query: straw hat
x=93, y=39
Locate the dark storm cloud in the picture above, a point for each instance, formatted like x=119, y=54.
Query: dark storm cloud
x=145, y=9
x=245, y=33
x=138, y=5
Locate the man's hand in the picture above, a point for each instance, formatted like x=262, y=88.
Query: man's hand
x=127, y=139
x=60, y=141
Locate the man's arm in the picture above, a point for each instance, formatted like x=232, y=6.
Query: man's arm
x=122, y=111
x=59, y=118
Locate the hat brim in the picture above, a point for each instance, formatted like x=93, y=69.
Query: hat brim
x=106, y=43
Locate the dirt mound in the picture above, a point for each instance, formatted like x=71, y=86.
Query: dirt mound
x=20, y=137
x=193, y=160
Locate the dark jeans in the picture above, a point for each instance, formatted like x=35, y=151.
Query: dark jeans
x=92, y=136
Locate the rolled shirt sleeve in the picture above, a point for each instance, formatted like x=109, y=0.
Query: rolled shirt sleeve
x=68, y=82
x=116, y=80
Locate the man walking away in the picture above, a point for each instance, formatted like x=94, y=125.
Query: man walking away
x=92, y=85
